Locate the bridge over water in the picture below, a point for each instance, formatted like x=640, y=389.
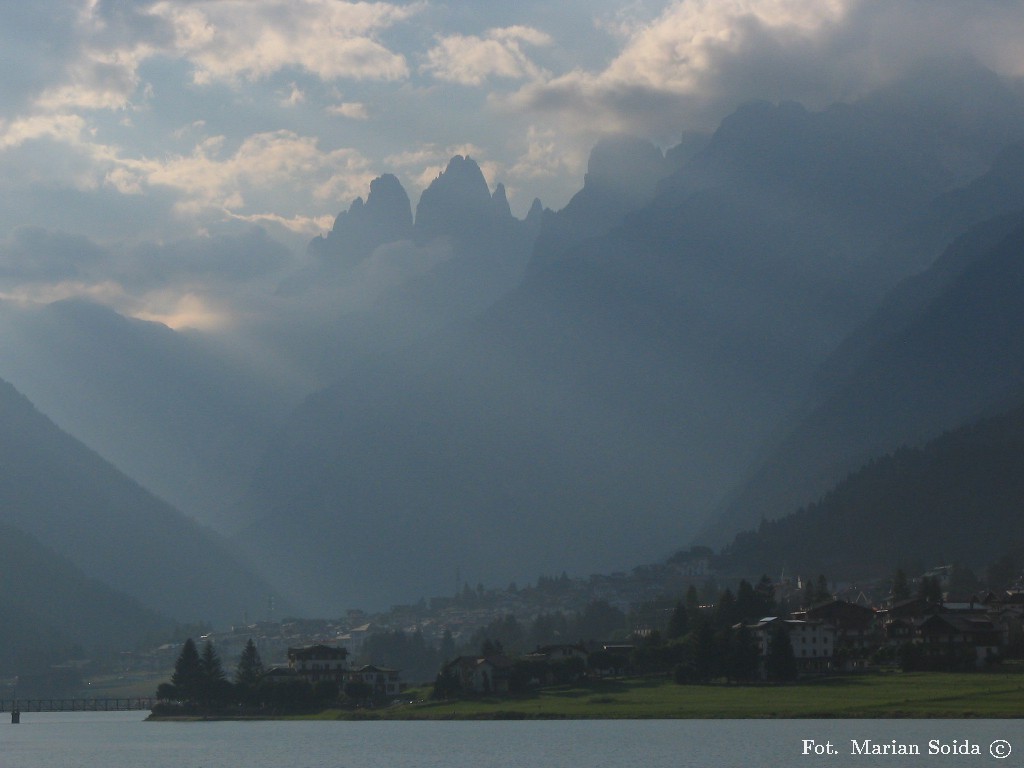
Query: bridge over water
x=76, y=705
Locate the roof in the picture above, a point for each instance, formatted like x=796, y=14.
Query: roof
x=372, y=668
x=318, y=651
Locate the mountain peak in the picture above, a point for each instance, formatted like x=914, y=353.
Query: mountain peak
x=499, y=202
x=458, y=200
x=385, y=217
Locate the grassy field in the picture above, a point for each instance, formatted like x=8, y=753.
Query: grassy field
x=895, y=694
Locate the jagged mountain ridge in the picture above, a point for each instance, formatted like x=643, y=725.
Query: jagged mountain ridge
x=624, y=383
x=461, y=251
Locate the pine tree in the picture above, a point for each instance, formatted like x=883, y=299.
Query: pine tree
x=187, y=675
x=250, y=667
x=743, y=655
x=678, y=624
x=213, y=684
x=781, y=661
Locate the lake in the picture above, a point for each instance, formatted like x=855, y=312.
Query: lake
x=124, y=740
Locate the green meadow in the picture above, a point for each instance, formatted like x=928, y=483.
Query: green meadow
x=884, y=695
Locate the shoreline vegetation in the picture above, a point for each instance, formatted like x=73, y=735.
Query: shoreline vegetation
x=864, y=695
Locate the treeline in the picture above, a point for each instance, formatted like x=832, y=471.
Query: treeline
x=200, y=685
x=699, y=645
x=900, y=509
x=419, y=659
x=693, y=644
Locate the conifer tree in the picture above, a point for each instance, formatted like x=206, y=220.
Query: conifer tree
x=213, y=684
x=743, y=655
x=678, y=623
x=187, y=675
x=780, y=663
x=250, y=666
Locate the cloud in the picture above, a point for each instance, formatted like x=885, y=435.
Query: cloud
x=252, y=39
x=699, y=59
x=543, y=158
x=38, y=255
x=295, y=97
x=208, y=282
x=470, y=60
x=262, y=166
x=353, y=110
x=60, y=127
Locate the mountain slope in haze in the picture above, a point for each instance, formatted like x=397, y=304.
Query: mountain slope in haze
x=622, y=176
x=51, y=612
x=71, y=500
x=389, y=278
x=600, y=409
x=954, y=500
x=167, y=408
x=946, y=348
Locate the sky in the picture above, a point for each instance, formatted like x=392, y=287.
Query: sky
x=157, y=154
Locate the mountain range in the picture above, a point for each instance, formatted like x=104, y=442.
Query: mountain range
x=644, y=362
x=701, y=339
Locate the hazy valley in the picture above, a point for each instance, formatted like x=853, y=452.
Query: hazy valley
x=807, y=316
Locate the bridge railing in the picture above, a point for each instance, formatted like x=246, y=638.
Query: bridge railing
x=122, y=704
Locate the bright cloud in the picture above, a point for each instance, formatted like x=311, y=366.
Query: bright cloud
x=213, y=178
x=165, y=117
x=695, y=61
x=230, y=39
x=60, y=127
x=353, y=110
x=470, y=60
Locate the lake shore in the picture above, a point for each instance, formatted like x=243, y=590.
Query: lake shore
x=870, y=695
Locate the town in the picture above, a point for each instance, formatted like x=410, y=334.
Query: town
x=669, y=620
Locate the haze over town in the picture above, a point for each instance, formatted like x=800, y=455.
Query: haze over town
x=407, y=293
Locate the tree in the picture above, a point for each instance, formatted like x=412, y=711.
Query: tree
x=600, y=620
x=447, y=650
x=248, y=673
x=706, y=654
x=187, y=675
x=445, y=684
x=214, y=688
x=725, y=610
x=741, y=663
x=753, y=603
x=678, y=623
x=357, y=690
x=250, y=666
x=491, y=648
x=780, y=663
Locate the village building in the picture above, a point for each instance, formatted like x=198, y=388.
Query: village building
x=481, y=674
x=381, y=680
x=856, y=630
x=813, y=642
x=319, y=662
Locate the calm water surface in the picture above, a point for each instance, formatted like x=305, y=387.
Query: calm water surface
x=124, y=740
